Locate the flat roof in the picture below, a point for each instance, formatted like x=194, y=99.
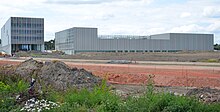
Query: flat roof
x=27, y=17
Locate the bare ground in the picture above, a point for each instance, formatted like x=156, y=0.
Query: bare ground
x=192, y=56
x=178, y=56
x=136, y=90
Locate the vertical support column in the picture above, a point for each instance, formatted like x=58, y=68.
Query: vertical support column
x=30, y=47
x=42, y=47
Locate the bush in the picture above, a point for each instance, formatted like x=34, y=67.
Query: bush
x=9, y=88
x=211, y=60
x=7, y=101
x=101, y=99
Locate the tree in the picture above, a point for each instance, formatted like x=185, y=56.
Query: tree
x=49, y=45
x=216, y=47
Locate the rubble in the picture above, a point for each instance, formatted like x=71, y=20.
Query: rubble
x=44, y=75
x=56, y=74
x=206, y=95
x=61, y=76
x=28, y=68
x=120, y=62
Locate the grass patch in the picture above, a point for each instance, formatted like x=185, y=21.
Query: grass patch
x=211, y=60
x=9, y=88
x=102, y=99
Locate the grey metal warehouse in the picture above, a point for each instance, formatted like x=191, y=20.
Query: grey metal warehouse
x=80, y=39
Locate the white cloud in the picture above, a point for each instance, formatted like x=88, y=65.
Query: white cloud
x=79, y=2
x=147, y=1
x=215, y=27
x=211, y=11
x=138, y=17
x=187, y=29
x=185, y=14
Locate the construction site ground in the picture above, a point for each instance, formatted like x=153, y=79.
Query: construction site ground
x=169, y=76
x=189, y=56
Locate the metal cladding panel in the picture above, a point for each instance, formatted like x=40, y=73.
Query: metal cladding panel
x=27, y=30
x=6, y=33
x=146, y=44
x=6, y=37
x=160, y=42
x=120, y=44
x=165, y=36
x=76, y=39
x=133, y=44
x=22, y=30
x=86, y=40
x=64, y=41
x=201, y=42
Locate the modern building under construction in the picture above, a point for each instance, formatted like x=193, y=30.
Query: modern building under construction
x=22, y=34
x=80, y=39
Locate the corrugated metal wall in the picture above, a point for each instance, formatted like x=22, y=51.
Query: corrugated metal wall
x=184, y=41
x=86, y=40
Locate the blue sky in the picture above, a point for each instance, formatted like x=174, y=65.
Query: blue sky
x=129, y=17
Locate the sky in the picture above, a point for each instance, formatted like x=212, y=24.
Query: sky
x=120, y=17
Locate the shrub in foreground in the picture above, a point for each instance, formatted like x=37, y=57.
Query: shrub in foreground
x=8, y=91
x=101, y=99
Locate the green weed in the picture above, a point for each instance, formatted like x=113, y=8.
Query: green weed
x=212, y=60
x=102, y=99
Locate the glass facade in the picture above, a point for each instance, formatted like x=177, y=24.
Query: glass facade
x=27, y=33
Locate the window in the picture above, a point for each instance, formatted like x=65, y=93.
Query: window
x=24, y=47
x=14, y=37
x=23, y=25
x=28, y=25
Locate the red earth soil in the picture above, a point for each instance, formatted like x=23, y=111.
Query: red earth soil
x=163, y=75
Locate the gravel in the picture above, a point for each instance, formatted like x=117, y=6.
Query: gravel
x=206, y=95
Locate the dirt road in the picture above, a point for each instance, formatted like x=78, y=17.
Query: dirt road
x=163, y=75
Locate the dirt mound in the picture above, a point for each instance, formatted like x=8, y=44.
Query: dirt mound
x=28, y=68
x=56, y=74
x=207, y=95
x=61, y=76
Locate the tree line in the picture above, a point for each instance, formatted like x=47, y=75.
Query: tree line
x=49, y=45
x=217, y=47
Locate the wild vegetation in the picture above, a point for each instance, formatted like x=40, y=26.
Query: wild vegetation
x=211, y=60
x=10, y=86
x=49, y=45
x=217, y=46
x=101, y=99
